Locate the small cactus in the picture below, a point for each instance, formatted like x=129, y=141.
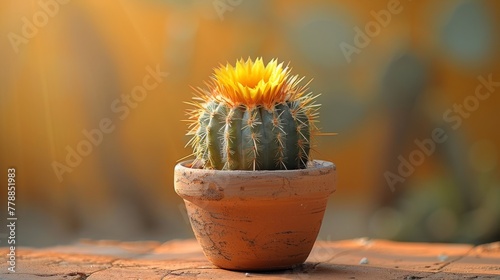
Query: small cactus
x=252, y=116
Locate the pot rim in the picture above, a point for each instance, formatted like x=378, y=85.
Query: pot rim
x=211, y=185
x=317, y=164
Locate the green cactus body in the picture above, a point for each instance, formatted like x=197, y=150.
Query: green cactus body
x=253, y=139
x=264, y=135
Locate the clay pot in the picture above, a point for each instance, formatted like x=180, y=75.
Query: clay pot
x=256, y=220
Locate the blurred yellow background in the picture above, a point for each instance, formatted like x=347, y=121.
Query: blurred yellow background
x=92, y=92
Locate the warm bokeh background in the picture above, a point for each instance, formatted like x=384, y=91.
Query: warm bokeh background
x=85, y=55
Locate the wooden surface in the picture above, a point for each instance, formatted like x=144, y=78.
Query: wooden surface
x=349, y=259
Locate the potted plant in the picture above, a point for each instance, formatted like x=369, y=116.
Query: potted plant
x=254, y=196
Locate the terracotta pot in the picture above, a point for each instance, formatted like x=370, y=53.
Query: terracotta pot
x=256, y=220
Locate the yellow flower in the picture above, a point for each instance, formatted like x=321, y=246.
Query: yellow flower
x=252, y=83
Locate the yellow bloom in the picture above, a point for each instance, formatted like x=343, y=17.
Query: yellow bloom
x=252, y=83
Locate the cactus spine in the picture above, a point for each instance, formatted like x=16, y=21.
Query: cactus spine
x=252, y=117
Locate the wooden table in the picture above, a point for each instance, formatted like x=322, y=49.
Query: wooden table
x=177, y=259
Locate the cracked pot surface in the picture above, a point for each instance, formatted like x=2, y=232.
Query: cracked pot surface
x=256, y=220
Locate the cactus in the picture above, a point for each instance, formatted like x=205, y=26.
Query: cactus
x=252, y=116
